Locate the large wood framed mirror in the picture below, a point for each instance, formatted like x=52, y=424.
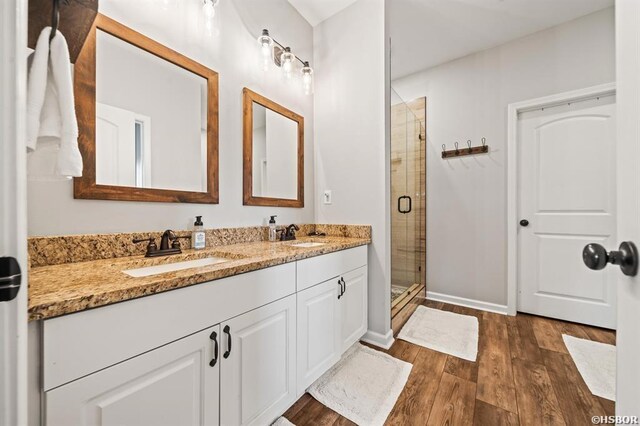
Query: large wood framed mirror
x=273, y=155
x=147, y=119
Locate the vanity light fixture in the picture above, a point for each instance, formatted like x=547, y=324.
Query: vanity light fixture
x=307, y=78
x=266, y=49
x=272, y=51
x=286, y=62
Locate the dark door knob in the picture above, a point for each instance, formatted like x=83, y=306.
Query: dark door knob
x=10, y=278
x=524, y=222
x=596, y=257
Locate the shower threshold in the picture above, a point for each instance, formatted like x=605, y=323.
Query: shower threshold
x=402, y=300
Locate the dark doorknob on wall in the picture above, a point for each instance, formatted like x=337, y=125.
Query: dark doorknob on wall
x=524, y=222
x=596, y=257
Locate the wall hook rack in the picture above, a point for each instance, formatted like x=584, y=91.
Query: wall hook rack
x=470, y=150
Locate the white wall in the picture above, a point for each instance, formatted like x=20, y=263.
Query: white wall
x=352, y=148
x=231, y=51
x=467, y=99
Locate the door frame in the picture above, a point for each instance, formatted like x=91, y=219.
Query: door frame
x=13, y=212
x=513, y=109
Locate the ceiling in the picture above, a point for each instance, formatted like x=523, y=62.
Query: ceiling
x=316, y=11
x=425, y=33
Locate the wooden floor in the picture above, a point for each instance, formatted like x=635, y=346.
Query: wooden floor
x=523, y=375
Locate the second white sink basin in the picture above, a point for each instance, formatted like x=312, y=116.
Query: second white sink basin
x=305, y=245
x=171, y=267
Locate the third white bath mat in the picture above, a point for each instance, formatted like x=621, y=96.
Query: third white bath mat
x=443, y=331
x=282, y=421
x=596, y=363
x=363, y=386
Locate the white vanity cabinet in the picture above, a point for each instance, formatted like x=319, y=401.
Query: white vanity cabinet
x=258, y=372
x=353, y=307
x=332, y=315
x=234, y=351
x=175, y=384
x=319, y=331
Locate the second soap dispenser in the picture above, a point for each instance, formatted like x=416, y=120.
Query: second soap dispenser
x=198, y=238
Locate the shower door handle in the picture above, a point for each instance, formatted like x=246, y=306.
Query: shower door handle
x=410, y=205
x=400, y=210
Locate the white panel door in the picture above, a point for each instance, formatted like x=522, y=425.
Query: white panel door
x=354, y=307
x=628, y=81
x=258, y=376
x=567, y=194
x=319, y=331
x=176, y=384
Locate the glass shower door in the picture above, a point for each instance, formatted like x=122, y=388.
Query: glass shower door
x=400, y=281
x=407, y=188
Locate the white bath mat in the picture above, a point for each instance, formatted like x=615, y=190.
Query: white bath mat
x=596, y=363
x=443, y=331
x=363, y=386
x=282, y=421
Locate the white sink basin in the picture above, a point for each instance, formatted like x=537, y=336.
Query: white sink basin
x=305, y=245
x=171, y=267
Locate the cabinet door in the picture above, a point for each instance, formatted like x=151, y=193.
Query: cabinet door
x=319, y=342
x=258, y=373
x=354, y=307
x=175, y=384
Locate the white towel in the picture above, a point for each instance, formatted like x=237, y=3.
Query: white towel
x=52, y=128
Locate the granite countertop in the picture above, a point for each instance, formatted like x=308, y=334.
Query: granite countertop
x=73, y=287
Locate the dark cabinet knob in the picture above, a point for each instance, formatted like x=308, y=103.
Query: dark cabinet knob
x=596, y=257
x=524, y=222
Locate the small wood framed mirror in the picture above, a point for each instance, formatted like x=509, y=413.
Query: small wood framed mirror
x=273, y=155
x=147, y=119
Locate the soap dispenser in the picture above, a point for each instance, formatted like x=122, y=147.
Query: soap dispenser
x=198, y=240
x=272, y=229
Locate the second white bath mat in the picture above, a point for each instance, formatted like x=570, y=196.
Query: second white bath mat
x=282, y=421
x=443, y=331
x=596, y=363
x=363, y=386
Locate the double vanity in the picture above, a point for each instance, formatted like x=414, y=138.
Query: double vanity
x=229, y=335
x=232, y=334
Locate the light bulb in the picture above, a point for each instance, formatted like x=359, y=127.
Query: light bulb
x=307, y=79
x=208, y=8
x=265, y=42
x=286, y=61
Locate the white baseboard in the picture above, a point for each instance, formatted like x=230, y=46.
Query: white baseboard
x=469, y=303
x=383, y=341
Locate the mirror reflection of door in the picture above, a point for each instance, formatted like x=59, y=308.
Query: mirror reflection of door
x=123, y=148
x=275, y=154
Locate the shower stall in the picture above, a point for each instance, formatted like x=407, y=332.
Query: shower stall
x=408, y=201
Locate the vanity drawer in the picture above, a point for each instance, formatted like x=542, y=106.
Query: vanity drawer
x=79, y=344
x=318, y=269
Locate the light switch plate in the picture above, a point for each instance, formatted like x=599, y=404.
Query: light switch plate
x=326, y=198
